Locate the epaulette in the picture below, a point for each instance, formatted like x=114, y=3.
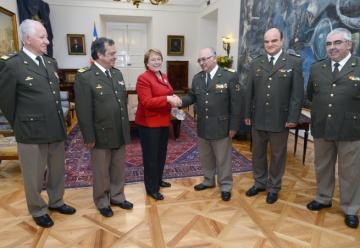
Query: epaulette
x=293, y=53
x=8, y=56
x=229, y=69
x=318, y=61
x=84, y=69
x=255, y=56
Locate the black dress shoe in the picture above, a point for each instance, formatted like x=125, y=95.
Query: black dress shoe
x=157, y=196
x=44, y=221
x=165, y=184
x=64, y=209
x=316, y=206
x=202, y=186
x=225, y=195
x=271, y=197
x=352, y=220
x=106, y=212
x=253, y=191
x=124, y=204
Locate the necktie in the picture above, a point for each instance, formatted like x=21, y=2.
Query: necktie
x=208, y=79
x=336, y=70
x=107, y=72
x=41, y=64
x=271, y=61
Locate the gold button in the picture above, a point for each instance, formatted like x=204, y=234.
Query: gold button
x=50, y=83
x=207, y=117
x=270, y=78
x=267, y=95
x=206, y=102
x=206, y=109
x=119, y=100
x=57, y=102
x=207, y=94
x=269, y=86
x=115, y=91
x=334, y=85
x=329, y=115
x=330, y=105
x=54, y=92
x=266, y=103
x=332, y=95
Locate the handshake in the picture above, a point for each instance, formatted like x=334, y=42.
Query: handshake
x=174, y=100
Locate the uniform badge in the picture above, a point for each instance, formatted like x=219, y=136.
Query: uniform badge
x=56, y=75
x=5, y=57
x=28, y=78
x=98, y=86
x=237, y=87
x=121, y=82
x=353, y=78
x=49, y=62
x=96, y=73
x=25, y=62
x=353, y=64
x=323, y=65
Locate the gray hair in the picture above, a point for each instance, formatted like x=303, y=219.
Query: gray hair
x=344, y=31
x=27, y=27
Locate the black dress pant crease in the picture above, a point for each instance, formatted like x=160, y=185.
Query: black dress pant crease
x=154, y=142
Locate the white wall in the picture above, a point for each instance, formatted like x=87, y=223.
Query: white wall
x=78, y=17
x=227, y=24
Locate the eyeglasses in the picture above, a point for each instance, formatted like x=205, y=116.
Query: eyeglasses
x=335, y=43
x=202, y=60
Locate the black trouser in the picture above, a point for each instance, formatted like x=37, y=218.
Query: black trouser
x=154, y=147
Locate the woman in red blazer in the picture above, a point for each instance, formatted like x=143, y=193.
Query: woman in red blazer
x=156, y=96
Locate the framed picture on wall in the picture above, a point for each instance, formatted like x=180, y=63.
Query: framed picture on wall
x=76, y=44
x=8, y=33
x=175, y=45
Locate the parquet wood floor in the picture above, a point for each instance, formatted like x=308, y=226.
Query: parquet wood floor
x=185, y=218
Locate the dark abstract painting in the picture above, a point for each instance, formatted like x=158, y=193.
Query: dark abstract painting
x=305, y=24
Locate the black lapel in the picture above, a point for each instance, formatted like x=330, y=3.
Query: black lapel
x=101, y=75
x=348, y=67
x=280, y=62
x=31, y=65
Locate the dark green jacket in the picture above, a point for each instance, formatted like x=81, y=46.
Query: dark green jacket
x=101, y=108
x=217, y=105
x=335, y=108
x=30, y=99
x=274, y=93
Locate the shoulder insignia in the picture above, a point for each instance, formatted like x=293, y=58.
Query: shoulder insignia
x=84, y=69
x=229, y=69
x=8, y=56
x=255, y=56
x=293, y=53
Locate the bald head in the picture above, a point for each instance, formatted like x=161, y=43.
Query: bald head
x=273, y=41
x=207, y=59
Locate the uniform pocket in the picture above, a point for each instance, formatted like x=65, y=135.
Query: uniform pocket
x=32, y=125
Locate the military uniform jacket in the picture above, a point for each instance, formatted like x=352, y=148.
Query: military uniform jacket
x=217, y=104
x=274, y=93
x=335, y=111
x=101, y=107
x=30, y=99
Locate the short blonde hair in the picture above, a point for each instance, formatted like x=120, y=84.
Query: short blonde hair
x=147, y=56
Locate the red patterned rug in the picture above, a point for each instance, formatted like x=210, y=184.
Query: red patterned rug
x=182, y=158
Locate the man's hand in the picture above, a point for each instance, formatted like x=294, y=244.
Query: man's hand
x=290, y=124
x=232, y=133
x=174, y=100
x=90, y=145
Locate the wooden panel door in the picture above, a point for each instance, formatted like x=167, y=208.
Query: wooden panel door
x=177, y=72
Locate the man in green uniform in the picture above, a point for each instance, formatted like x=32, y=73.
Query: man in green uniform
x=334, y=90
x=273, y=104
x=30, y=100
x=101, y=108
x=216, y=93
